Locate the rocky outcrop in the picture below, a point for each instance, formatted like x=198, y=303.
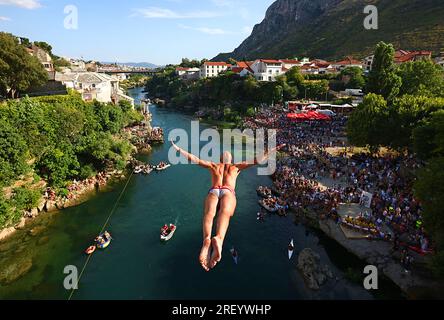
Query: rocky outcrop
x=314, y=274
x=13, y=270
x=6, y=232
x=334, y=28
x=378, y=253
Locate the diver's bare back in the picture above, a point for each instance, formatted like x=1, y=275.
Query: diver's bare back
x=224, y=175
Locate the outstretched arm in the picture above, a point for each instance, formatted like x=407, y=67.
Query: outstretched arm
x=246, y=165
x=192, y=157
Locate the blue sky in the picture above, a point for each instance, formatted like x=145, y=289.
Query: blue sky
x=157, y=31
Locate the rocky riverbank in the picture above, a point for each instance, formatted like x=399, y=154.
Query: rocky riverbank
x=378, y=253
x=78, y=193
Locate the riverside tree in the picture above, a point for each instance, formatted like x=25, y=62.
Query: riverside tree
x=18, y=69
x=383, y=79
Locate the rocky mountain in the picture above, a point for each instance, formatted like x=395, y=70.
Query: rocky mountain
x=334, y=28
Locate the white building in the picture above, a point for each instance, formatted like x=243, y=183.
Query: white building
x=290, y=63
x=346, y=63
x=94, y=86
x=212, y=69
x=267, y=70
x=188, y=73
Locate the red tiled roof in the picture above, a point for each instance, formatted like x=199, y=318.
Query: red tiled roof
x=348, y=61
x=271, y=61
x=237, y=69
x=402, y=56
x=242, y=64
x=210, y=63
x=290, y=61
x=182, y=69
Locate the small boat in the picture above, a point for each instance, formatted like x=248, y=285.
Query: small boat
x=235, y=255
x=90, y=250
x=290, y=249
x=105, y=244
x=167, y=232
x=266, y=207
x=147, y=170
x=161, y=168
x=263, y=192
x=138, y=170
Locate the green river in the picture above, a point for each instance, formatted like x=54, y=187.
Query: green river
x=138, y=266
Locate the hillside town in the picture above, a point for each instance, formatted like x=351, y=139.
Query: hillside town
x=269, y=69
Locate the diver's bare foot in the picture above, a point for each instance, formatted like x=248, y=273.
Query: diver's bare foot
x=217, y=251
x=204, y=257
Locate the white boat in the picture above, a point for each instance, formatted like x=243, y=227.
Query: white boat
x=266, y=207
x=234, y=255
x=166, y=235
x=290, y=249
x=147, y=171
x=157, y=168
x=138, y=170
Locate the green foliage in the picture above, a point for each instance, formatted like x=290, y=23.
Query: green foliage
x=353, y=78
x=422, y=77
x=430, y=190
x=62, y=134
x=428, y=138
x=13, y=152
x=7, y=213
x=18, y=69
x=187, y=63
x=314, y=89
x=230, y=89
x=367, y=124
x=383, y=79
x=26, y=198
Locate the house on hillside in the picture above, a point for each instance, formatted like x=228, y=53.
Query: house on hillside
x=290, y=63
x=242, y=68
x=212, y=69
x=95, y=86
x=401, y=56
x=45, y=59
x=188, y=73
x=267, y=69
x=347, y=63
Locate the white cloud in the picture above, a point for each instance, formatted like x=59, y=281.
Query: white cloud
x=27, y=4
x=5, y=18
x=162, y=13
x=206, y=30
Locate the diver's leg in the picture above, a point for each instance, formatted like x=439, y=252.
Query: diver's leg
x=210, y=208
x=226, y=211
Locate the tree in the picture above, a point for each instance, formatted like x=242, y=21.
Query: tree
x=367, y=124
x=353, y=78
x=430, y=191
x=421, y=77
x=383, y=79
x=428, y=138
x=18, y=69
x=13, y=152
x=314, y=88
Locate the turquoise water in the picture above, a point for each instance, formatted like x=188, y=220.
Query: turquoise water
x=138, y=266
